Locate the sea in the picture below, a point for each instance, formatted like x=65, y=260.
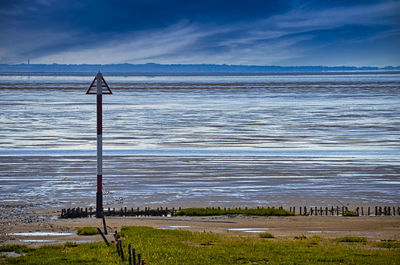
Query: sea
x=316, y=139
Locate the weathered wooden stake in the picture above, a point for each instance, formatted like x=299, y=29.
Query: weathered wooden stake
x=104, y=225
x=121, y=249
x=129, y=254
x=104, y=238
x=117, y=245
x=133, y=256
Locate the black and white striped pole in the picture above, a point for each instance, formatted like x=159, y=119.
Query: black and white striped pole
x=99, y=89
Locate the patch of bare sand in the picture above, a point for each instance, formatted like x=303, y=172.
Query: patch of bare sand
x=373, y=228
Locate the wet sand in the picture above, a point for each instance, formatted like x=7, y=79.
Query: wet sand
x=271, y=178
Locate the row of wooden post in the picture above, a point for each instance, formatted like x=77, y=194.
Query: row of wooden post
x=304, y=211
x=89, y=212
x=341, y=210
x=147, y=211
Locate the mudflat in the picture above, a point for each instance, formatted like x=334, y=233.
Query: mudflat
x=58, y=231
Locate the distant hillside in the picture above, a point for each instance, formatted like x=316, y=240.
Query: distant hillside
x=152, y=68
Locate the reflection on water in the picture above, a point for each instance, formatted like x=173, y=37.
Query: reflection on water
x=41, y=234
x=249, y=230
x=201, y=180
x=204, y=140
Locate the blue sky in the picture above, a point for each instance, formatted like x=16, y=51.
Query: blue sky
x=359, y=33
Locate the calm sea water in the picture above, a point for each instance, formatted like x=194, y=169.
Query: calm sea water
x=202, y=140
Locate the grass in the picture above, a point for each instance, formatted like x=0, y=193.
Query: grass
x=388, y=244
x=266, y=235
x=261, y=211
x=70, y=245
x=349, y=239
x=16, y=248
x=350, y=213
x=87, y=231
x=162, y=247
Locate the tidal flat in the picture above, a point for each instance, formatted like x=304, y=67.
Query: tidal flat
x=181, y=141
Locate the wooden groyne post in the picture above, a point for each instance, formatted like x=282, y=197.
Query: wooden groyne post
x=303, y=211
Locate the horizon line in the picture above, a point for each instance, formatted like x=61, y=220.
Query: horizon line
x=202, y=64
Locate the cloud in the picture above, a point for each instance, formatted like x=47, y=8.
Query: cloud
x=306, y=19
x=181, y=43
x=134, y=47
x=279, y=37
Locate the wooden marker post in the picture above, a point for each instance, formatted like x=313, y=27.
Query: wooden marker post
x=99, y=89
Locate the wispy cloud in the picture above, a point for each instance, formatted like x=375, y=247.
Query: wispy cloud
x=275, y=39
x=305, y=19
x=134, y=47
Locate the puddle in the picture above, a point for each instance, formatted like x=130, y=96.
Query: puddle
x=36, y=240
x=249, y=230
x=174, y=227
x=254, y=231
x=370, y=233
x=320, y=231
x=50, y=241
x=42, y=234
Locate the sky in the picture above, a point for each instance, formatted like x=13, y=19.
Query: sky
x=252, y=32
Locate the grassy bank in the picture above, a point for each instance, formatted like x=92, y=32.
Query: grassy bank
x=184, y=247
x=87, y=231
x=261, y=211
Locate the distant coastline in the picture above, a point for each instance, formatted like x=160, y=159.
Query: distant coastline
x=186, y=69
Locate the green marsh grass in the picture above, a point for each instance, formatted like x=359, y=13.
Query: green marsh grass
x=87, y=231
x=350, y=239
x=388, y=244
x=269, y=211
x=15, y=248
x=350, y=213
x=162, y=247
x=266, y=235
